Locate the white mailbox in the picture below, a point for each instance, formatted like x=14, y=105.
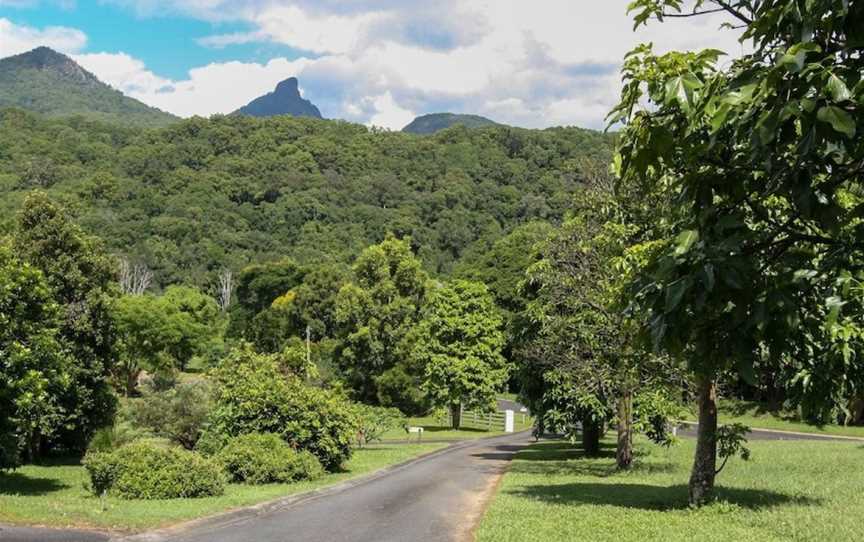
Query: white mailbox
x=508, y=421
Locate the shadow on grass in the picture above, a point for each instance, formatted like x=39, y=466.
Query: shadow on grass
x=752, y=408
x=656, y=498
x=16, y=483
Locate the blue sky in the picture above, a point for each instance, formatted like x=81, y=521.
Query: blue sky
x=533, y=64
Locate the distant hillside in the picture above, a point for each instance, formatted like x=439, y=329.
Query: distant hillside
x=429, y=124
x=51, y=83
x=203, y=195
x=285, y=100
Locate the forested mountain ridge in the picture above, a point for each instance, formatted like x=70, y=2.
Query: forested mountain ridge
x=435, y=122
x=284, y=100
x=45, y=81
x=202, y=195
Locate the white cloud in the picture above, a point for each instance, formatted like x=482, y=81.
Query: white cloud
x=16, y=39
x=381, y=61
x=388, y=113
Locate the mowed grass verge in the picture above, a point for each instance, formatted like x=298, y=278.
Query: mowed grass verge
x=55, y=495
x=789, y=490
x=755, y=414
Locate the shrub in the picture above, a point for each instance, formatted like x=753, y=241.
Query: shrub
x=265, y=459
x=178, y=414
x=254, y=396
x=145, y=470
x=375, y=421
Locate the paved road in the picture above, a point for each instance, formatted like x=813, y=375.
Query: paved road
x=437, y=499
x=689, y=430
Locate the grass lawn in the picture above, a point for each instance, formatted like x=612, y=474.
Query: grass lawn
x=790, y=490
x=756, y=415
x=55, y=495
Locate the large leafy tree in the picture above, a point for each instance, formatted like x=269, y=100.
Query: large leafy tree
x=32, y=365
x=760, y=157
x=163, y=333
x=459, y=343
x=81, y=277
x=580, y=349
x=375, y=314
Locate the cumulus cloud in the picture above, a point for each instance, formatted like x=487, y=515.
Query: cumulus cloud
x=15, y=39
x=383, y=61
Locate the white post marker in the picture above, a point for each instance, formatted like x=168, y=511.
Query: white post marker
x=509, y=421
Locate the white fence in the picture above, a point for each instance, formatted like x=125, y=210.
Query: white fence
x=486, y=421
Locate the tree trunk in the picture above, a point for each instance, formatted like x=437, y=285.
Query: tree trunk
x=624, y=454
x=705, y=462
x=456, y=415
x=590, y=436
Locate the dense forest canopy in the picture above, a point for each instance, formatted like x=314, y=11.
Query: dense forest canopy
x=204, y=195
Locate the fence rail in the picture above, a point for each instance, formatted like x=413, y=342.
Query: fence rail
x=488, y=421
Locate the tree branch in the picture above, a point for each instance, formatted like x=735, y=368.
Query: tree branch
x=694, y=14
x=734, y=12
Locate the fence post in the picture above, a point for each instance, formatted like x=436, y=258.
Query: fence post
x=508, y=421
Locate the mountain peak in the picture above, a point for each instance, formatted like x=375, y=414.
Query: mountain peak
x=284, y=100
x=47, y=59
x=289, y=86
x=433, y=122
x=51, y=83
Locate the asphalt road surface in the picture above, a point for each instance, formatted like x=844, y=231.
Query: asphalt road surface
x=27, y=534
x=689, y=430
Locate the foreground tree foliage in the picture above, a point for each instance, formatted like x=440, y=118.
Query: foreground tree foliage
x=762, y=259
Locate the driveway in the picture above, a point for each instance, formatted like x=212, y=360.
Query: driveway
x=688, y=429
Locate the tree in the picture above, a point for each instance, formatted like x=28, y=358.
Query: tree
x=81, y=277
x=134, y=279
x=32, y=364
x=179, y=414
x=261, y=313
x=760, y=158
x=581, y=357
x=162, y=333
x=376, y=314
x=459, y=342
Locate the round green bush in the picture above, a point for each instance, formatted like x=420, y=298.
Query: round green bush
x=264, y=458
x=253, y=395
x=146, y=470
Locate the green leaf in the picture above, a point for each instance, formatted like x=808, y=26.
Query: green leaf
x=685, y=241
x=795, y=57
x=839, y=119
x=675, y=293
x=838, y=89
